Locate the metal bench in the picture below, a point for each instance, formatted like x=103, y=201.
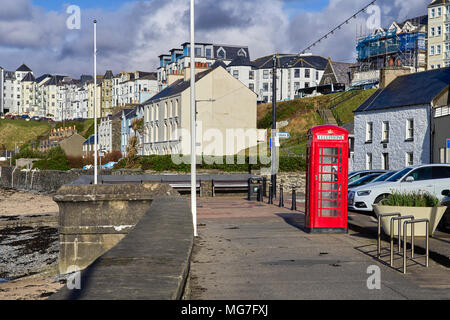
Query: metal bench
x=229, y=185
x=184, y=186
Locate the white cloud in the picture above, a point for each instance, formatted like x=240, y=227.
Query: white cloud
x=134, y=36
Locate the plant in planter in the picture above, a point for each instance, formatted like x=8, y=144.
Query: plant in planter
x=421, y=205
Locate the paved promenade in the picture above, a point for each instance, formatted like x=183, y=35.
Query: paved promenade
x=249, y=250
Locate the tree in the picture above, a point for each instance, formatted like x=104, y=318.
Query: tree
x=133, y=142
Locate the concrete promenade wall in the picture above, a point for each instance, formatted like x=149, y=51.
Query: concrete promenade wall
x=150, y=263
x=51, y=181
x=94, y=218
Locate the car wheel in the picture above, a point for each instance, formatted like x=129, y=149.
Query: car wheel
x=381, y=198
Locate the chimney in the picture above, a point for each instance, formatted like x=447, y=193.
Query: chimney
x=389, y=74
x=199, y=67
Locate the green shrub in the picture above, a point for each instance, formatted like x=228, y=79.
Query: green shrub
x=162, y=163
x=55, y=159
x=412, y=199
x=27, y=153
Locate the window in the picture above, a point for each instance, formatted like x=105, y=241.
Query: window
x=251, y=75
x=306, y=84
x=433, y=13
x=438, y=49
x=439, y=11
x=307, y=73
x=317, y=75
x=432, y=51
x=410, y=129
x=236, y=74
x=266, y=74
x=265, y=87
x=208, y=53
x=369, y=132
x=251, y=86
x=369, y=163
x=221, y=53
x=421, y=174
x=297, y=73
x=439, y=31
x=433, y=32
x=441, y=172
x=385, y=161
x=409, y=159
x=198, y=52
x=385, y=137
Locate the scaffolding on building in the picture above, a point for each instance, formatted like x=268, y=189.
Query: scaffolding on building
x=391, y=49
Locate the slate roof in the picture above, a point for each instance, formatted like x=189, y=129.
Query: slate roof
x=180, y=85
x=231, y=52
x=409, y=90
x=108, y=75
x=241, y=61
x=29, y=78
x=292, y=61
x=54, y=80
x=24, y=68
x=438, y=3
x=90, y=140
x=342, y=71
x=44, y=76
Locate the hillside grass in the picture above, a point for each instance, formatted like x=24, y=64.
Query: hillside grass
x=302, y=115
x=20, y=131
x=25, y=132
x=344, y=112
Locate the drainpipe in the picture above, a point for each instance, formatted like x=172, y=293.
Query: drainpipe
x=432, y=131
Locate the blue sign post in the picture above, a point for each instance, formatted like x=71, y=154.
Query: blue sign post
x=448, y=143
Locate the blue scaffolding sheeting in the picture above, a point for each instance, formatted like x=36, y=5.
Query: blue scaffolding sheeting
x=390, y=42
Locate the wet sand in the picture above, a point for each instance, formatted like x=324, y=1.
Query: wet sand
x=18, y=203
x=28, y=250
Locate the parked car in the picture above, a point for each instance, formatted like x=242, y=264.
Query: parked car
x=356, y=175
x=364, y=180
x=423, y=178
x=444, y=225
x=35, y=118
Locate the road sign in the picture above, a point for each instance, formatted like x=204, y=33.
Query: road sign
x=448, y=143
x=283, y=135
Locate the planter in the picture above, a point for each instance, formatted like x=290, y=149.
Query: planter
x=434, y=215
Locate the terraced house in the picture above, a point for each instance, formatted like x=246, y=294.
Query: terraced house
x=439, y=34
x=294, y=72
x=223, y=103
x=178, y=59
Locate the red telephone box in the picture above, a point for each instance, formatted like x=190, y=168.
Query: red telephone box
x=327, y=180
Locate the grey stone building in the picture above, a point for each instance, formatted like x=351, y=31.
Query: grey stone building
x=400, y=125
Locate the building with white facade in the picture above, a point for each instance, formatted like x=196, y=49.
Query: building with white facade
x=294, y=72
x=13, y=89
x=438, y=34
x=395, y=127
x=206, y=53
x=225, y=106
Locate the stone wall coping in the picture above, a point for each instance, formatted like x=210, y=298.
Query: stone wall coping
x=109, y=192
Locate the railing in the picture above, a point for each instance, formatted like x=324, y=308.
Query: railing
x=410, y=220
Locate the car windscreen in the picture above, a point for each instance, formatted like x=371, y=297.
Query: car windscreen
x=363, y=180
x=396, y=177
x=384, y=177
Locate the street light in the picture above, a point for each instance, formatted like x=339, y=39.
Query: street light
x=193, y=127
x=95, y=105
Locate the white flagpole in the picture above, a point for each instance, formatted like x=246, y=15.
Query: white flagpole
x=95, y=104
x=193, y=128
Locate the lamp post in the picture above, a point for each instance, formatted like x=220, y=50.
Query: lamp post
x=95, y=105
x=193, y=127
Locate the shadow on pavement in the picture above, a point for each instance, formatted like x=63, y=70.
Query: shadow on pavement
x=297, y=220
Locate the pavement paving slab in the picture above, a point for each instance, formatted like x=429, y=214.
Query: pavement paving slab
x=252, y=251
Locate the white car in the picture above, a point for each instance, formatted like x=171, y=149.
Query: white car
x=424, y=178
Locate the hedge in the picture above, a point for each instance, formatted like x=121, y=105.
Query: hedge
x=160, y=163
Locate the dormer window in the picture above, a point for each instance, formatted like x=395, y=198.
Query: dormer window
x=242, y=53
x=221, y=53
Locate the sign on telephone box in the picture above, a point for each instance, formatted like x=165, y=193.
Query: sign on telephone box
x=327, y=180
